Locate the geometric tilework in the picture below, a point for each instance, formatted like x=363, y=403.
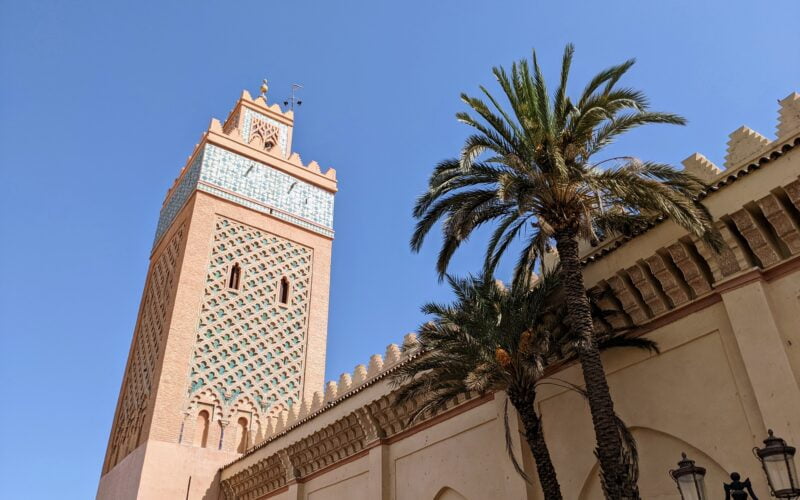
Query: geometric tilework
x=259, y=207
x=179, y=196
x=253, y=184
x=267, y=185
x=249, y=346
x=148, y=339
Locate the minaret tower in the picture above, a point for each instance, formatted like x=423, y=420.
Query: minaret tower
x=233, y=318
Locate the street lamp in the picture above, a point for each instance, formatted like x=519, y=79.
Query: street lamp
x=690, y=479
x=777, y=460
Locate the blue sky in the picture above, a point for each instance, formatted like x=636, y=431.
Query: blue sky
x=101, y=102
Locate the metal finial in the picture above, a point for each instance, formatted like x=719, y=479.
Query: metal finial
x=264, y=88
x=291, y=101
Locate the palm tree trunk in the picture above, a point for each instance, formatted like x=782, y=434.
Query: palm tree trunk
x=534, y=435
x=617, y=482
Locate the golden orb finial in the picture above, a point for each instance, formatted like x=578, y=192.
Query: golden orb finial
x=264, y=88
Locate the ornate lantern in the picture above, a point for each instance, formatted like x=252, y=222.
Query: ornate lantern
x=777, y=460
x=690, y=479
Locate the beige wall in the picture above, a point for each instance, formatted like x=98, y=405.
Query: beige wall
x=694, y=397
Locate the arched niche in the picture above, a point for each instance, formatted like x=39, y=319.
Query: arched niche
x=201, y=428
x=658, y=453
x=242, y=426
x=449, y=494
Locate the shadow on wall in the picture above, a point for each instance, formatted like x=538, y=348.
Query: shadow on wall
x=658, y=453
x=449, y=494
x=213, y=491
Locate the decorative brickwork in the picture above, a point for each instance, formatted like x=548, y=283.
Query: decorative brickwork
x=354, y=432
x=139, y=383
x=259, y=125
x=264, y=134
x=250, y=346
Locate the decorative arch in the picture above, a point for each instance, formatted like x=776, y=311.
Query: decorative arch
x=448, y=493
x=207, y=396
x=201, y=428
x=242, y=434
x=658, y=453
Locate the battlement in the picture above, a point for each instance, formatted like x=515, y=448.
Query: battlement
x=248, y=160
x=239, y=127
x=747, y=150
x=348, y=385
x=745, y=145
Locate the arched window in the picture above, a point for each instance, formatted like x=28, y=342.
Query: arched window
x=283, y=292
x=241, y=435
x=235, y=277
x=201, y=429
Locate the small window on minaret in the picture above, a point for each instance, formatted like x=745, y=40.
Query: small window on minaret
x=235, y=277
x=283, y=293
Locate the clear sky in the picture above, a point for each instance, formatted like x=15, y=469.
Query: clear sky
x=102, y=101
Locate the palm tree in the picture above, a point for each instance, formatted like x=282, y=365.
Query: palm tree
x=497, y=339
x=532, y=170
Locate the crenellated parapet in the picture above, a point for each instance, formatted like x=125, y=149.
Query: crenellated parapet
x=353, y=414
x=335, y=391
x=744, y=143
x=789, y=118
x=747, y=151
x=701, y=167
x=756, y=204
x=248, y=160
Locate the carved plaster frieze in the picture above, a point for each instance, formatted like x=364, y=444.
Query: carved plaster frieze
x=784, y=226
x=756, y=239
x=627, y=299
x=669, y=282
x=690, y=269
x=647, y=289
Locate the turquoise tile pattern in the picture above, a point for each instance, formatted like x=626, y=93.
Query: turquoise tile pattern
x=252, y=184
x=179, y=196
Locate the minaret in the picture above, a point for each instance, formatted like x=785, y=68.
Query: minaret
x=232, y=322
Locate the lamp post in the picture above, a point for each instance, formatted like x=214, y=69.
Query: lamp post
x=690, y=479
x=777, y=460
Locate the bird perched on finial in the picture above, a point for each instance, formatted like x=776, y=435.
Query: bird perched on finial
x=264, y=88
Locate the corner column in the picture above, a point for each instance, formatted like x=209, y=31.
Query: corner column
x=378, y=459
x=379, y=472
